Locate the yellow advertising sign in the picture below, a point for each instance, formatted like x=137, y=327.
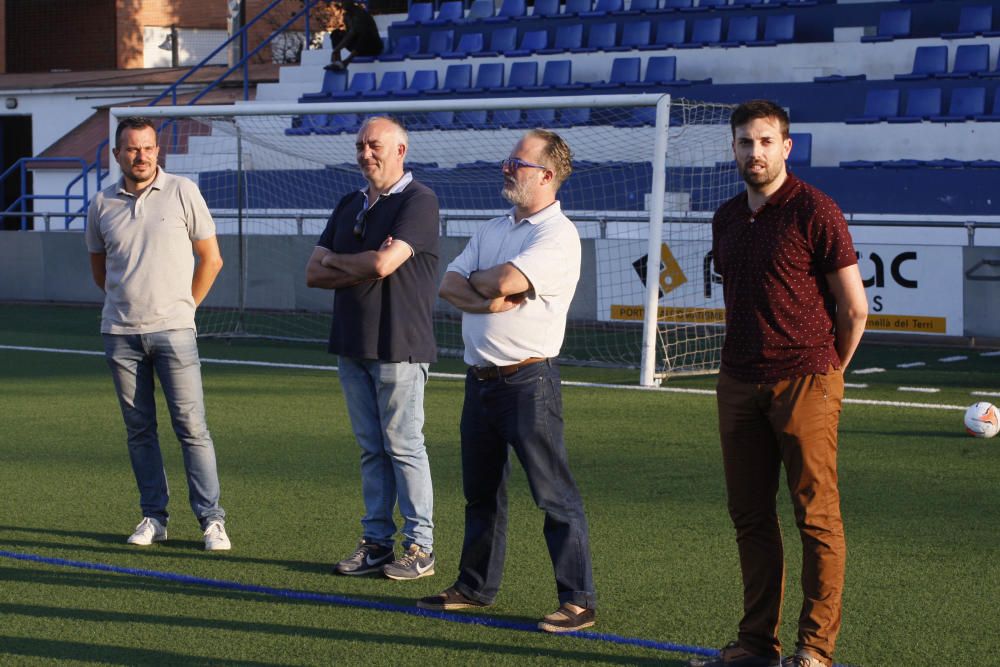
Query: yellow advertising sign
x=670, y=314
x=912, y=323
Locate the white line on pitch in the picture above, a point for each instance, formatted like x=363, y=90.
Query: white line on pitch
x=957, y=357
x=912, y=364
x=923, y=390
x=868, y=371
x=995, y=353
x=852, y=385
x=984, y=393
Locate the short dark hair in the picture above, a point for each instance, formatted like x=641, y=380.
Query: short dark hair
x=133, y=123
x=754, y=109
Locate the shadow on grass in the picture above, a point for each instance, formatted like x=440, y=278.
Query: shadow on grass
x=58, y=649
x=116, y=655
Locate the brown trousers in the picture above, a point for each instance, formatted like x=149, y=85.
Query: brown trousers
x=762, y=426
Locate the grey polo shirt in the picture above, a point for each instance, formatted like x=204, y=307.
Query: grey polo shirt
x=150, y=262
x=546, y=249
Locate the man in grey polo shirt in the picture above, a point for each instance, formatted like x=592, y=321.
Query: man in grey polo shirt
x=141, y=232
x=514, y=283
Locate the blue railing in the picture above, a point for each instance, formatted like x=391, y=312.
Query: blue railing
x=20, y=205
x=22, y=201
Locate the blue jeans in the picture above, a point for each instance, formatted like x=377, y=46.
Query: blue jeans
x=524, y=411
x=173, y=356
x=385, y=401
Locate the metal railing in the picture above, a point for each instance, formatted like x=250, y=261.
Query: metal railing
x=22, y=202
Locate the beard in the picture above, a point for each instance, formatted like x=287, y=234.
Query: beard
x=516, y=193
x=759, y=179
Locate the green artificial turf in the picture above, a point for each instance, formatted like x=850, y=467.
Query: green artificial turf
x=920, y=501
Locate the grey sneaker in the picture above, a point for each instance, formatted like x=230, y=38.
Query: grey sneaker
x=216, y=538
x=414, y=564
x=369, y=557
x=732, y=655
x=802, y=658
x=148, y=531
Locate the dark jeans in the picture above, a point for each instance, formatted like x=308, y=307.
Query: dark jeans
x=764, y=426
x=522, y=411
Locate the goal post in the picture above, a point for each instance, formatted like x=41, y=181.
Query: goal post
x=648, y=172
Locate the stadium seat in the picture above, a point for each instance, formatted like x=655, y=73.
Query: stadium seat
x=972, y=20
x=468, y=43
x=573, y=116
x=531, y=41
x=391, y=83
x=994, y=114
x=965, y=104
x=669, y=33
x=419, y=12
x=879, y=105
x=921, y=104
x=432, y=120
x=341, y=123
x=661, y=70
x=677, y=4
x=489, y=76
x=506, y=117
x=457, y=79
x=404, y=46
x=928, y=61
x=471, y=119
x=480, y=9
x=509, y=9
x=646, y=6
x=307, y=124
x=741, y=31
x=970, y=60
x=601, y=36
x=602, y=8
x=333, y=82
x=624, y=71
x=704, y=32
x=421, y=80
x=557, y=74
x=523, y=74
x=801, y=155
x=537, y=118
x=568, y=37
x=502, y=41
x=744, y=4
x=637, y=117
x=450, y=11
x=544, y=9
x=361, y=83
x=635, y=34
x=710, y=4
x=778, y=29
x=892, y=23
x=576, y=7
x=438, y=42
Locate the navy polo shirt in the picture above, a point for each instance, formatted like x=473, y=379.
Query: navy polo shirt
x=388, y=319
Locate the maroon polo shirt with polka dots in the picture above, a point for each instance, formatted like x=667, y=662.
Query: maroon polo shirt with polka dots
x=773, y=261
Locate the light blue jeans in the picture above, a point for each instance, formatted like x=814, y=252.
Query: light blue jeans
x=385, y=401
x=173, y=357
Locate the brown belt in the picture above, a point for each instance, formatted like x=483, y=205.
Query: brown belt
x=494, y=372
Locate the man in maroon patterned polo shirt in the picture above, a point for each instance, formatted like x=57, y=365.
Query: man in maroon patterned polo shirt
x=795, y=312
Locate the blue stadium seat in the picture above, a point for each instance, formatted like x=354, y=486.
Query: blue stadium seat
x=361, y=83
x=531, y=41
x=704, y=32
x=450, y=11
x=603, y=8
x=970, y=60
x=557, y=74
x=470, y=119
x=678, y=4
x=489, y=76
x=921, y=104
x=404, y=46
x=647, y=6
x=965, y=104
x=880, y=105
x=573, y=116
x=778, y=29
x=568, y=37
x=635, y=34
x=480, y=9
x=637, y=117
x=928, y=61
x=468, y=43
x=892, y=23
x=623, y=72
x=801, y=155
x=391, y=83
x=576, y=7
x=741, y=30
x=972, y=20
x=421, y=80
x=420, y=12
x=669, y=32
x=502, y=41
x=438, y=42
x=432, y=120
x=341, y=123
x=661, y=70
x=994, y=114
x=545, y=8
x=506, y=117
x=710, y=4
x=457, y=79
x=600, y=37
x=307, y=124
x=523, y=74
x=509, y=9
x=537, y=118
x=333, y=82
x=743, y=4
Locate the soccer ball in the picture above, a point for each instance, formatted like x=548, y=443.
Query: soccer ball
x=982, y=420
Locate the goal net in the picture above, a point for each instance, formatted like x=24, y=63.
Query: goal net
x=648, y=172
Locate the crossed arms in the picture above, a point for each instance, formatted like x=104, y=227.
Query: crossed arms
x=332, y=270
x=494, y=290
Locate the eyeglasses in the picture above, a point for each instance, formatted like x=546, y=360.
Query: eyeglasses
x=361, y=223
x=515, y=163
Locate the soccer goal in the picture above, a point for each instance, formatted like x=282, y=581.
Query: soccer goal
x=648, y=172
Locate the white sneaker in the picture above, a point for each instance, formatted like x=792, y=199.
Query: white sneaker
x=148, y=531
x=802, y=658
x=216, y=538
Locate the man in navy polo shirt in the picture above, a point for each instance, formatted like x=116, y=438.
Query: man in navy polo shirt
x=379, y=252
x=795, y=312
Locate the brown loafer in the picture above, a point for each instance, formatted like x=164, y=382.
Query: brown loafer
x=447, y=600
x=565, y=619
